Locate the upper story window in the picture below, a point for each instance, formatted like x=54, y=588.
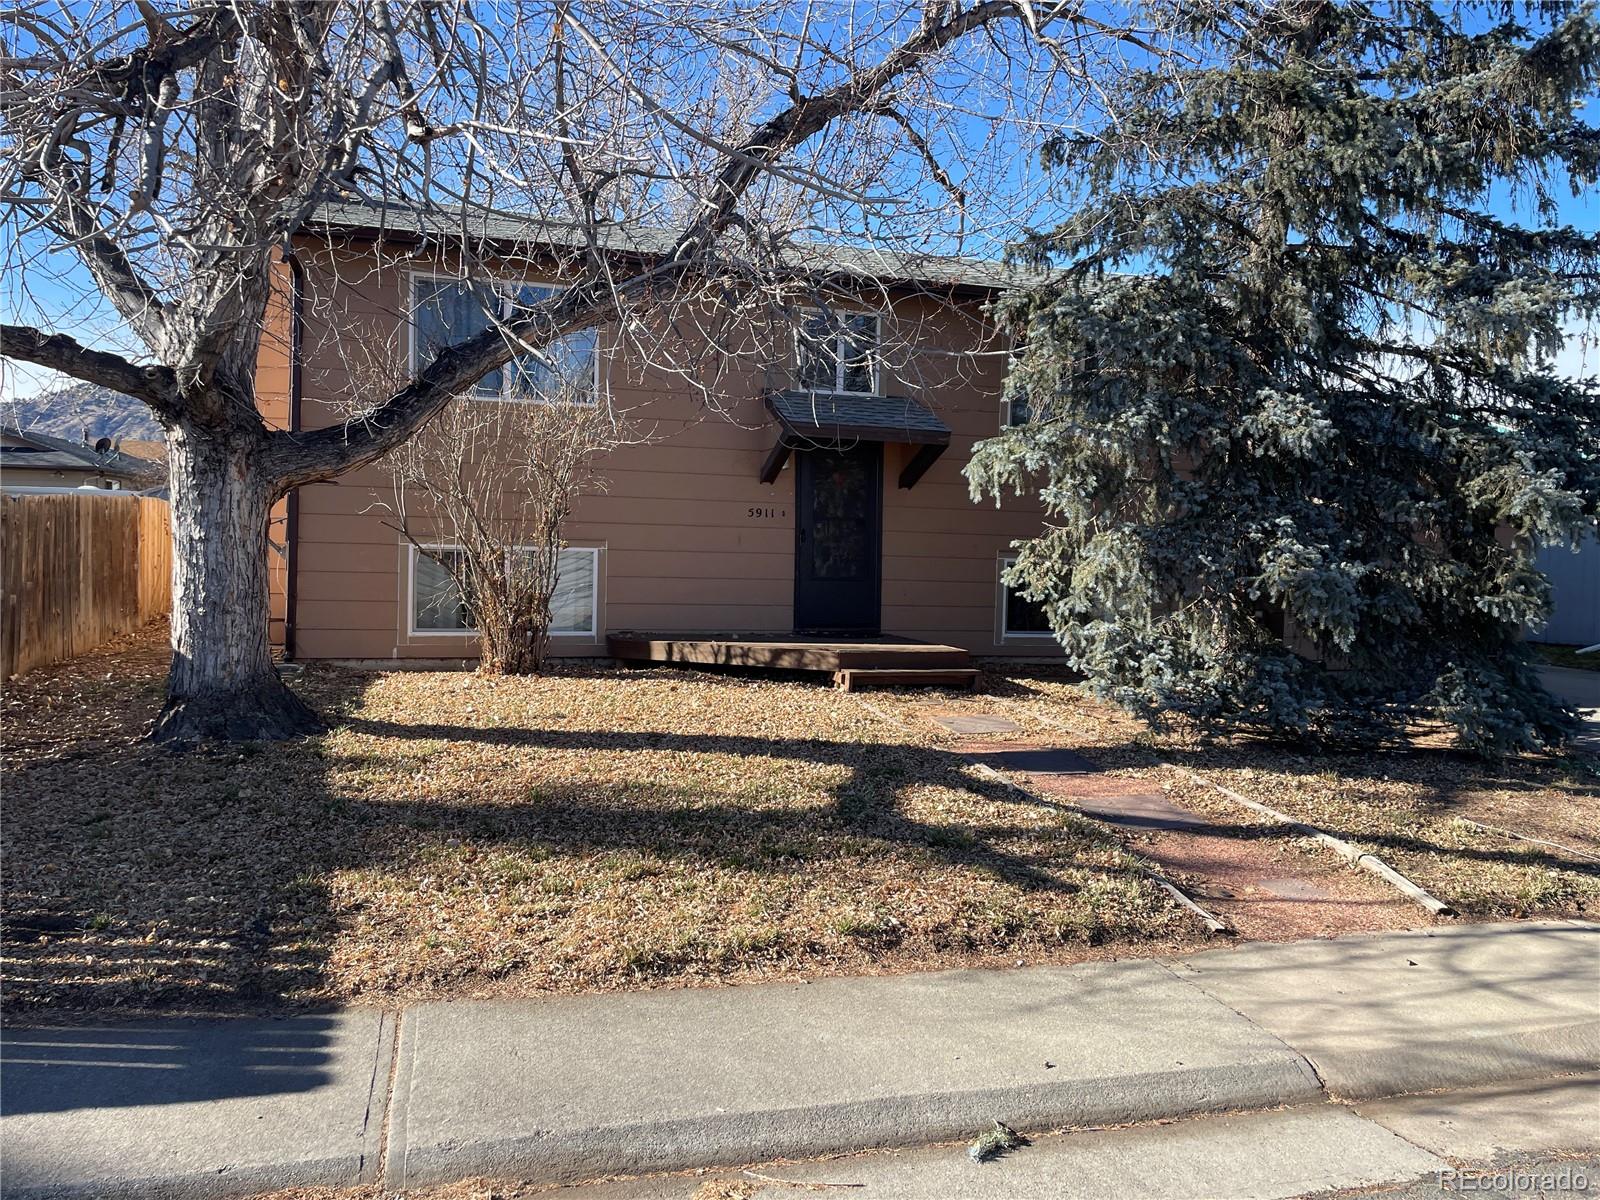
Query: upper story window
x=1016, y=410
x=447, y=312
x=839, y=352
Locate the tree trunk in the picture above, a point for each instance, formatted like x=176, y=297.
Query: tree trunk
x=512, y=647
x=223, y=682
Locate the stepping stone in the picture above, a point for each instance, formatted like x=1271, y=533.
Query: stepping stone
x=1290, y=888
x=1038, y=761
x=1141, y=810
x=975, y=723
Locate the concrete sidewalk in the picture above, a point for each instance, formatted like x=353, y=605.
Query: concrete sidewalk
x=573, y=1087
x=1581, y=689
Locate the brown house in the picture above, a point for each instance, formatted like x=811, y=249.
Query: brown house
x=824, y=493
x=29, y=459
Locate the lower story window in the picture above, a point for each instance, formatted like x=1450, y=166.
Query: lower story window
x=1019, y=616
x=572, y=606
x=438, y=605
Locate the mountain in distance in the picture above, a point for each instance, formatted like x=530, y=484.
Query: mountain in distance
x=66, y=412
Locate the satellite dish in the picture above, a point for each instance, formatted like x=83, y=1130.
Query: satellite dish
x=102, y=446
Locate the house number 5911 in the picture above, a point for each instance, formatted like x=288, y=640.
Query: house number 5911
x=758, y=511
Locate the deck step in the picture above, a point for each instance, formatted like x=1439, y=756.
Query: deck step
x=856, y=678
x=785, y=652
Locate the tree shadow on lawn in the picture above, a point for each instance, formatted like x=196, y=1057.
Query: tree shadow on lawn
x=856, y=802
x=1445, y=773
x=149, y=882
x=143, y=881
x=1430, y=782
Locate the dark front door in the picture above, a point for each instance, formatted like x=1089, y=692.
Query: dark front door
x=838, y=529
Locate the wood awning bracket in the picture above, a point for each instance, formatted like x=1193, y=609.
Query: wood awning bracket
x=776, y=457
x=927, y=454
x=823, y=419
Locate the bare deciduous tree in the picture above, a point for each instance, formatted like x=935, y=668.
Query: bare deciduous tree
x=173, y=150
x=484, y=494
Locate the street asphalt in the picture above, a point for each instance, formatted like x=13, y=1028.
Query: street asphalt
x=569, y=1088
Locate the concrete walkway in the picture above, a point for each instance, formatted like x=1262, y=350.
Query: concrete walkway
x=574, y=1087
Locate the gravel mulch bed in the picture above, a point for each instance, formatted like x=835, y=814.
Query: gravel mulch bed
x=463, y=836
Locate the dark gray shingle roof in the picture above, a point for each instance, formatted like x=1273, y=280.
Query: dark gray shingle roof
x=47, y=453
x=829, y=416
x=520, y=230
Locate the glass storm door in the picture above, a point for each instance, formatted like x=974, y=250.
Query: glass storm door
x=838, y=534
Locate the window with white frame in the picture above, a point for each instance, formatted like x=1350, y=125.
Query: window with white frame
x=438, y=605
x=447, y=312
x=1017, y=410
x=1019, y=616
x=838, y=352
x=1014, y=407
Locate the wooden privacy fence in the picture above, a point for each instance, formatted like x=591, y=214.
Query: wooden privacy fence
x=76, y=570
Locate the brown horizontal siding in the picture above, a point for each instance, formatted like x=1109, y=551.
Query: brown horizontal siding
x=345, y=557
x=689, y=540
x=969, y=594
x=737, y=487
x=339, y=585
x=922, y=569
x=670, y=593
x=704, y=564
x=963, y=547
x=914, y=523
x=349, y=614
x=682, y=550
x=713, y=616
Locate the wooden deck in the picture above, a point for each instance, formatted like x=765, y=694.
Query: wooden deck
x=786, y=652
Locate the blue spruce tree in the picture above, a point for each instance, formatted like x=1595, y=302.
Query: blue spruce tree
x=1287, y=389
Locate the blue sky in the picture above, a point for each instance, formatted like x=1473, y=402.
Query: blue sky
x=66, y=292
x=57, y=294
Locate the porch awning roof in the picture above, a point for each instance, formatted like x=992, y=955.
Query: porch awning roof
x=834, y=417
x=829, y=418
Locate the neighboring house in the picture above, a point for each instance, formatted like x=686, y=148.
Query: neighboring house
x=150, y=450
x=828, y=497
x=37, y=460
x=1574, y=592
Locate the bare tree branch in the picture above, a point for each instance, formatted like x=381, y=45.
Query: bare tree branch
x=156, y=386
x=364, y=438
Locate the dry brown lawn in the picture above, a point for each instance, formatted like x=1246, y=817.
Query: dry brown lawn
x=458, y=835
x=593, y=829
x=1419, y=809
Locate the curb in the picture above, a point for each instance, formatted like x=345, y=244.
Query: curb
x=1440, y=1066
x=732, y=1139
